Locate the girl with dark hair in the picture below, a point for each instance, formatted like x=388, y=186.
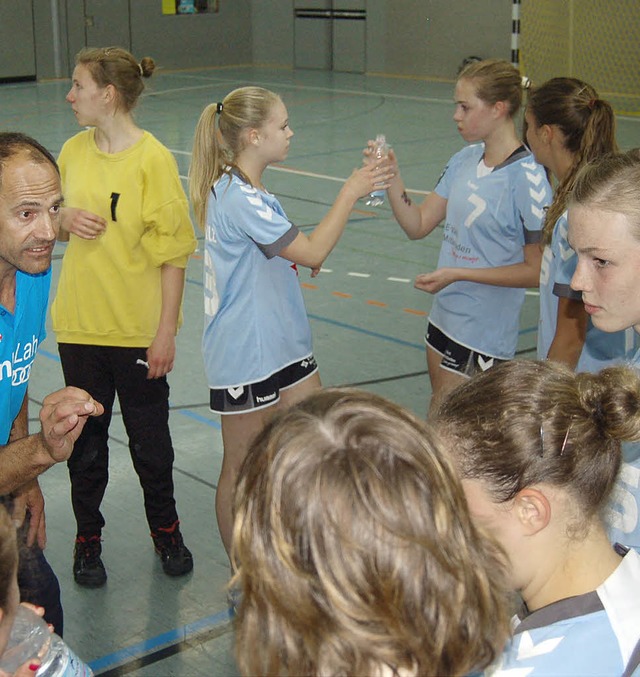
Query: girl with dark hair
x=567, y=126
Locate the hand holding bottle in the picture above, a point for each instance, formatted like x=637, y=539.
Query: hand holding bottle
x=378, y=150
x=367, y=179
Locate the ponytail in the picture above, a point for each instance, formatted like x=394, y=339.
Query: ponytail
x=215, y=150
x=206, y=163
x=588, y=125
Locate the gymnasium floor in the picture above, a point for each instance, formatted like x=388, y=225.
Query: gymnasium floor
x=367, y=319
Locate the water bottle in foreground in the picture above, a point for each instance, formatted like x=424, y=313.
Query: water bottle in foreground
x=380, y=150
x=30, y=638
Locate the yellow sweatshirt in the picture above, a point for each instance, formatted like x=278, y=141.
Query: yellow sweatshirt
x=109, y=293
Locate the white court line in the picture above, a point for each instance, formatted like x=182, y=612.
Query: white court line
x=311, y=175
x=359, y=274
x=332, y=90
x=398, y=279
x=532, y=292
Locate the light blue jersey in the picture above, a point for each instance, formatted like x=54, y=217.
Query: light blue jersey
x=601, y=349
x=20, y=335
x=255, y=319
x=489, y=219
x=622, y=516
x=592, y=634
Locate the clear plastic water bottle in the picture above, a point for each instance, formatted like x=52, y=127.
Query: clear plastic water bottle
x=30, y=638
x=380, y=150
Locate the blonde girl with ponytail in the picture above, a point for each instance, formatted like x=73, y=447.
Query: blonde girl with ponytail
x=257, y=338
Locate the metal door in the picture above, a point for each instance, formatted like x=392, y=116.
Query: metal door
x=330, y=35
x=17, y=45
x=312, y=34
x=107, y=23
x=349, y=36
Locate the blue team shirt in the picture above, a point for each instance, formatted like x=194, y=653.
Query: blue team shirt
x=20, y=335
x=489, y=220
x=591, y=634
x=622, y=516
x=255, y=319
x=601, y=349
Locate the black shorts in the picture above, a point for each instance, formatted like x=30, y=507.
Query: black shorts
x=458, y=358
x=254, y=396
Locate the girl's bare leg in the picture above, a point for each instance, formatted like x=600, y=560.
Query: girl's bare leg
x=442, y=380
x=238, y=431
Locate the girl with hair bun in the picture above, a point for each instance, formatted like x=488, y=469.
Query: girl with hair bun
x=567, y=126
x=355, y=551
x=538, y=449
x=491, y=196
x=117, y=309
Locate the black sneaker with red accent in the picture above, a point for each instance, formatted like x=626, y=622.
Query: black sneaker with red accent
x=88, y=569
x=176, y=558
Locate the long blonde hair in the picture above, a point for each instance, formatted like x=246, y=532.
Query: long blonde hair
x=215, y=149
x=354, y=548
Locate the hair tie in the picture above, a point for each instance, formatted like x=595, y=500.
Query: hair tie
x=592, y=103
x=219, y=107
x=140, y=69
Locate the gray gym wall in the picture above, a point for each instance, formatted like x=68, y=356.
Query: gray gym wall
x=402, y=37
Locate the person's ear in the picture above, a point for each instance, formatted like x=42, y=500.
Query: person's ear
x=546, y=134
x=254, y=136
x=110, y=97
x=532, y=509
x=500, y=109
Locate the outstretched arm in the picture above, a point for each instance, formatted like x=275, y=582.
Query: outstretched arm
x=311, y=250
x=417, y=221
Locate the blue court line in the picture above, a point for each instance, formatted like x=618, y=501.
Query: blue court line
x=175, y=636
x=368, y=332
x=197, y=417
